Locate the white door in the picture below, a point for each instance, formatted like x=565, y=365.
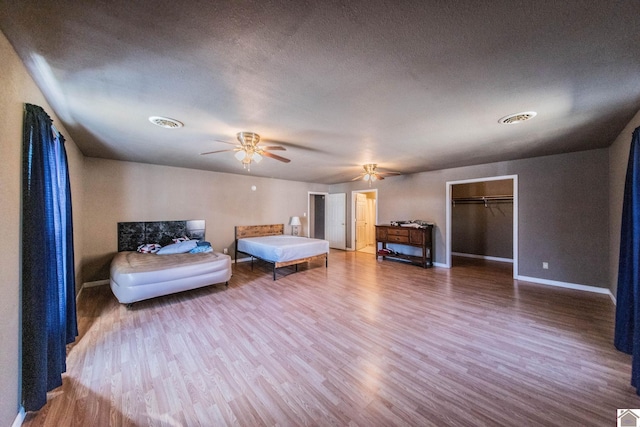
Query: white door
x=336, y=232
x=370, y=218
x=371, y=221
x=361, y=221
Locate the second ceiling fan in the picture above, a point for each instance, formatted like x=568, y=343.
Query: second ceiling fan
x=371, y=173
x=248, y=149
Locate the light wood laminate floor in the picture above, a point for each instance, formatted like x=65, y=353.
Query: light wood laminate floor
x=364, y=342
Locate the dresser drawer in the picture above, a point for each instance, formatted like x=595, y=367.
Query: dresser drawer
x=417, y=237
x=398, y=232
x=381, y=233
x=397, y=239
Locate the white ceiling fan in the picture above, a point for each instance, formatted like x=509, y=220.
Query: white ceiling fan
x=371, y=174
x=248, y=149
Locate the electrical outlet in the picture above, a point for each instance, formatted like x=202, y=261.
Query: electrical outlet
x=225, y=251
x=545, y=265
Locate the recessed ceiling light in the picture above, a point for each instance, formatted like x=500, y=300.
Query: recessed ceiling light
x=165, y=122
x=513, y=119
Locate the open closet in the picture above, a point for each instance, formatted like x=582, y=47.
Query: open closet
x=482, y=220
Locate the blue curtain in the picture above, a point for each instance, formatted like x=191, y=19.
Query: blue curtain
x=627, y=332
x=48, y=278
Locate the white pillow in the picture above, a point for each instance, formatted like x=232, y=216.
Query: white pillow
x=178, y=248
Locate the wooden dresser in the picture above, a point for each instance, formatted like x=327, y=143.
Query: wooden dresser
x=416, y=237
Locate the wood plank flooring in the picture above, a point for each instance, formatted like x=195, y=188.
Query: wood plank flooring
x=362, y=343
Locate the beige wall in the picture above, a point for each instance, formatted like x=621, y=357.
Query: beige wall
x=17, y=89
x=117, y=191
x=618, y=159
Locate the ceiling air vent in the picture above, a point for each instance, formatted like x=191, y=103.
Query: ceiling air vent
x=165, y=122
x=512, y=119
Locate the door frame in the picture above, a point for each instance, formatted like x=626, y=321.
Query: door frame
x=353, y=213
x=450, y=184
x=315, y=193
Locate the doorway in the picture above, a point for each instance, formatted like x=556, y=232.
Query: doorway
x=364, y=219
x=317, y=215
x=327, y=218
x=490, y=202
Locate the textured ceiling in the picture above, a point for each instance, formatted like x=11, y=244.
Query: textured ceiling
x=412, y=86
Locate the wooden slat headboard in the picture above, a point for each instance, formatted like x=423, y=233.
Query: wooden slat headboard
x=258, y=230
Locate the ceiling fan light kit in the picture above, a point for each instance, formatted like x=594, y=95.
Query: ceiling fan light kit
x=371, y=173
x=248, y=150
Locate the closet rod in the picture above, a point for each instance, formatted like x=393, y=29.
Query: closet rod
x=482, y=199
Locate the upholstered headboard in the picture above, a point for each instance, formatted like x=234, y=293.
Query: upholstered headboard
x=133, y=234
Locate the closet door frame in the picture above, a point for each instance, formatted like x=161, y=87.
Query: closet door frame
x=449, y=186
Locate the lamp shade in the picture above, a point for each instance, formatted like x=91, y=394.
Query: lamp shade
x=294, y=220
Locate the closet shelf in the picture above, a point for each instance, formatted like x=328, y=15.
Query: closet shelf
x=482, y=199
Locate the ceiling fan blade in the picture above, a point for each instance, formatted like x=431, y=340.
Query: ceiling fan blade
x=290, y=145
x=226, y=142
x=217, y=151
x=389, y=173
x=273, y=147
x=357, y=178
x=274, y=156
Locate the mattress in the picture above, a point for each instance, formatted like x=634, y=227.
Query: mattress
x=282, y=248
x=136, y=276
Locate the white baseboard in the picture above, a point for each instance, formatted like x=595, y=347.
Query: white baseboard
x=576, y=286
x=247, y=259
x=488, y=258
x=19, y=418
